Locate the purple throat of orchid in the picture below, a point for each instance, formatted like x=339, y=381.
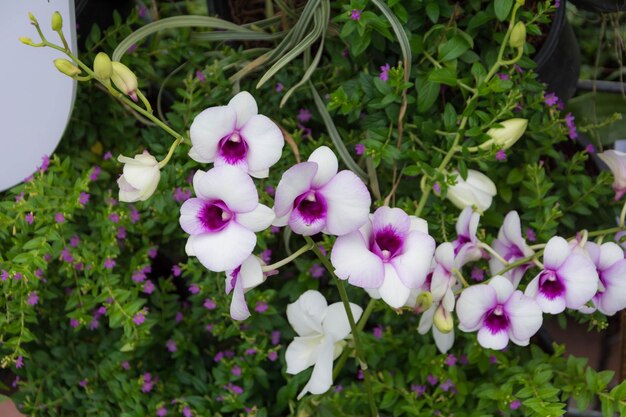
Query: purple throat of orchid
x=234, y=275
x=513, y=253
x=461, y=241
x=550, y=284
x=387, y=243
x=497, y=320
x=215, y=216
x=311, y=206
x=233, y=148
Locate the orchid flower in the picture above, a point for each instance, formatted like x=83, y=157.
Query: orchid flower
x=466, y=244
x=391, y=253
x=567, y=280
x=511, y=246
x=441, y=286
x=313, y=197
x=477, y=190
x=611, y=266
x=616, y=161
x=223, y=220
x=140, y=178
x=499, y=313
x=321, y=330
x=237, y=135
x=240, y=280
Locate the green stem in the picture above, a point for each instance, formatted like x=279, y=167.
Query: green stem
x=493, y=253
x=288, y=259
x=355, y=331
x=170, y=152
x=460, y=277
x=622, y=216
x=344, y=356
x=145, y=101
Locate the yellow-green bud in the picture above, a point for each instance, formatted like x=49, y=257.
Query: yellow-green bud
x=443, y=320
x=66, y=67
x=32, y=19
x=504, y=137
x=424, y=301
x=26, y=41
x=102, y=66
x=518, y=35
x=57, y=21
x=124, y=79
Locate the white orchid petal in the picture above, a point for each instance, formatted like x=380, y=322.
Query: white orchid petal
x=208, y=128
x=353, y=261
x=229, y=184
x=327, y=165
x=244, y=106
x=348, y=203
x=393, y=291
x=258, y=219
x=306, y=314
x=473, y=304
x=224, y=250
x=294, y=182
x=336, y=321
x=265, y=142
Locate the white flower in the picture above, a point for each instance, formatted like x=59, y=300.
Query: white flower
x=240, y=280
x=236, y=135
x=504, y=137
x=616, y=161
x=478, y=190
x=321, y=330
x=140, y=177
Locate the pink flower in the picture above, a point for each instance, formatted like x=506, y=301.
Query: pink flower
x=279, y=87
x=200, y=76
x=30, y=218
x=499, y=313
x=223, y=220
x=140, y=317
x=611, y=266
x=304, y=115
x=567, y=280
x=313, y=197
x=95, y=173
x=501, y=155
x=391, y=254
x=83, y=198
x=571, y=127
x=241, y=280
x=161, y=412
x=511, y=245
x=176, y=271
x=466, y=247
x=33, y=298
x=209, y=304
x=194, y=289
x=551, y=99
x=384, y=72
x=171, y=345
x=114, y=217
x=261, y=307
x=148, y=287
x=355, y=14
x=236, y=135
x=616, y=162
x=121, y=232
x=108, y=155
x=74, y=323
x=109, y=263
x=359, y=148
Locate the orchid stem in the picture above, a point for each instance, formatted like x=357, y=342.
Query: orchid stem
x=355, y=331
x=493, y=253
x=460, y=277
x=288, y=259
x=344, y=356
x=170, y=152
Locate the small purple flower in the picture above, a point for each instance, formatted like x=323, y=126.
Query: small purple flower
x=209, y=328
x=551, y=99
x=114, y=217
x=95, y=173
x=179, y=317
x=19, y=362
x=275, y=337
x=107, y=155
x=74, y=241
x=66, y=255
x=437, y=188
x=359, y=375
x=235, y=389
x=557, y=3
x=530, y=235
x=316, y=271
x=378, y=332
x=272, y=356
x=187, y=412
x=359, y=148
x=194, y=289
x=147, y=386
x=235, y=370
x=83, y=198
x=384, y=72
x=161, y=412
x=447, y=385
x=571, y=127
x=83, y=383
x=450, y=360
x=30, y=218
x=503, y=76
x=44, y=164
x=355, y=14
x=109, y=263
x=590, y=149
x=266, y=255
x=515, y=404
x=19, y=197
x=181, y=195
x=121, y=232
x=304, y=115
x=171, y=345
x=176, y=271
x=125, y=365
x=478, y=274
x=432, y=379
x=261, y=307
x=15, y=382
x=152, y=253
x=501, y=155
x=209, y=304
x=250, y=351
x=74, y=323
x=4, y=275
x=33, y=298
x=148, y=287
x=200, y=76
x=59, y=218
x=134, y=216
x=419, y=390
x=279, y=87
x=140, y=317
x=218, y=357
x=139, y=276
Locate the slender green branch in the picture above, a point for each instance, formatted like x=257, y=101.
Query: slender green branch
x=288, y=259
x=459, y=275
x=622, y=216
x=493, y=253
x=170, y=152
x=344, y=355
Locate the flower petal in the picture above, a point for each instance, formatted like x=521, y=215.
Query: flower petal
x=258, y=219
x=393, y=291
x=303, y=225
x=265, y=142
x=322, y=376
x=473, y=304
x=581, y=280
x=302, y=352
x=189, y=219
x=238, y=307
x=251, y=274
x=336, y=321
x=294, y=182
x=426, y=321
x=208, y=128
x=306, y=314
x=193, y=154
x=610, y=253
x=223, y=250
x=489, y=340
x=418, y=225
x=443, y=341
x=395, y=217
x=327, y=165
x=244, y=106
x=414, y=264
x=503, y=288
x=613, y=299
x=525, y=316
x=229, y=184
x=348, y=203
x=556, y=251
x=354, y=262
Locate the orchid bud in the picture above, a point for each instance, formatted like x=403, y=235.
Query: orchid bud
x=26, y=41
x=32, y=19
x=57, y=21
x=616, y=161
x=124, y=79
x=478, y=190
x=140, y=178
x=102, y=66
x=518, y=35
x=424, y=301
x=66, y=67
x=504, y=137
x=443, y=320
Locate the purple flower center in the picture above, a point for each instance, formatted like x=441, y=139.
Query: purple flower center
x=233, y=148
x=550, y=284
x=496, y=320
x=461, y=241
x=513, y=252
x=312, y=206
x=387, y=243
x=215, y=215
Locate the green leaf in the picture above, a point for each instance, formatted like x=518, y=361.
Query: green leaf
x=453, y=48
x=449, y=117
x=432, y=11
x=443, y=76
x=502, y=9
x=427, y=93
